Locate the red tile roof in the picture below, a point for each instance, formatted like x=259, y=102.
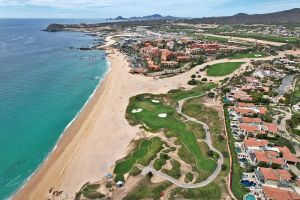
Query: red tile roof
x=275, y=174
x=249, y=128
x=262, y=110
x=251, y=120
x=252, y=142
x=268, y=157
x=261, y=156
x=244, y=110
x=248, y=105
x=279, y=194
x=271, y=127
x=287, y=154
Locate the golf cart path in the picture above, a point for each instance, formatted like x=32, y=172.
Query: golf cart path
x=209, y=143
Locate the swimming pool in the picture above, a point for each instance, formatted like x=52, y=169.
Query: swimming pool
x=238, y=150
x=247, y=183
x=249, y=197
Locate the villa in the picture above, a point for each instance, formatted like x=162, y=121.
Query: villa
x=288, y=156
x=271, y=176
x=275, y=193
x=267, y=157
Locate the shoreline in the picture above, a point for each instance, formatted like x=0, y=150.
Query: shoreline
x=100, y=135
x=66, y=129
x=67, y=135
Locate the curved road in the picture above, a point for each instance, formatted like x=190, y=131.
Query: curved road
x=209, y=143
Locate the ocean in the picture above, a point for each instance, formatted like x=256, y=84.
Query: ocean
x=43, y=86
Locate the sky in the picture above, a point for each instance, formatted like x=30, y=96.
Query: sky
x=128, y=8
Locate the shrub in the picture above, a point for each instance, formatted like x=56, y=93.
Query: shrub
x=192, y=82
x=220, y=138
x=211, y=95
x=150, y=174
x=204, y=79
x=210, y=153
x=223, y=167
x=193, y=76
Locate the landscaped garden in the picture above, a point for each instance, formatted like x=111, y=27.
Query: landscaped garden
x=223, y=69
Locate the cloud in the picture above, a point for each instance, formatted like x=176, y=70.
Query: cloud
x=127, y=8
x=80, y=4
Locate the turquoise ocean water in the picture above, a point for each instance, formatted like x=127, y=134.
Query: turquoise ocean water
x=43, y=85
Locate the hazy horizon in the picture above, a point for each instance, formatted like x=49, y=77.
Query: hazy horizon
x=93, y=9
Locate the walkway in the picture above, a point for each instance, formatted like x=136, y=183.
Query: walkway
x=209, y=143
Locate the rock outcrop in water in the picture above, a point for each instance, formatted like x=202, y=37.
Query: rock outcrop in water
x=55, y=28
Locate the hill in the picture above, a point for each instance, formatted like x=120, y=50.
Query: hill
x=292, y=15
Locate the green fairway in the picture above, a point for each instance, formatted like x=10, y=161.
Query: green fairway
x=248, y=55
x=171, y=124
x=271, y=38
x=196, y=91
x=223, y=69
x=146, y=151
x=215, y=39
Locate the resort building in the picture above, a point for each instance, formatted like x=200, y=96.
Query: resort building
x=253, y=144
x=271, y=176
x=166, y=55
x=183, y=58
x=169, y=63
x=275, y=193
x=288, y=156
x=266, y=157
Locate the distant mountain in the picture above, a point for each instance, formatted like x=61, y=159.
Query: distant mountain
x=119, y=18
x=292, y=15
x=149, y=17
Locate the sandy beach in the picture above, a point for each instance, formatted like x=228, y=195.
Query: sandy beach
x=97, y=138
x=100, y=135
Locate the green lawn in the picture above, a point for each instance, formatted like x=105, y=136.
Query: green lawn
x=271, y=38
x=146, y=151
x=215, y=39
x=172, y=125
x=195, y=108
x=223, y=69
x=248, y=55
x=200, y=89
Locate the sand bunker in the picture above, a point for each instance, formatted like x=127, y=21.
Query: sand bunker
x=162, y=115
x=137, y=110
x=155, y=101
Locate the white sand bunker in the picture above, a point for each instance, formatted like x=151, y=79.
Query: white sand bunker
x=162, y=115
x=137, y=110
x=155, y=101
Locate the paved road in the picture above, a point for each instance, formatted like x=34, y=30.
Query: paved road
x=209, y=143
